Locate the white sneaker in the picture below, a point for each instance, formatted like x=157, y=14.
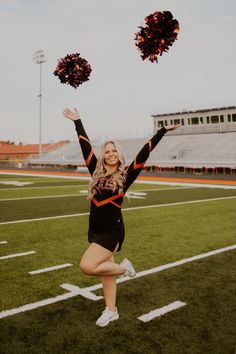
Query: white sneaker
x=129, y=269
x=106, y=317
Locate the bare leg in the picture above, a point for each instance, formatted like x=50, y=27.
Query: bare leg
x=96, y=261
x=109, y=289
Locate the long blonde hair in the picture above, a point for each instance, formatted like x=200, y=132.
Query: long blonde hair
x=117, y=177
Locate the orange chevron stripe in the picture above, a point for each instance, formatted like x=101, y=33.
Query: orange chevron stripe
x=89, y=157
x=108, y=200
x=91, y=152
x=138, y=165
x=83, y=137
x=150, y=146
x=117, y=205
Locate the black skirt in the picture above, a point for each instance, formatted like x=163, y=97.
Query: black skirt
x=107, y=234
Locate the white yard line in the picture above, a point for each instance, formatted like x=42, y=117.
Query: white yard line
x=43, y=197
x=161, y=189
x=17, y=255
x=124, y=209
x=42, y=219
x=37, y=304
x=224, y=186
x=3, y=242
x=43, y=175
x=178, y=203
x=166, y=266
x=161, y=311
x=49, y=187
x=80, y=291
x=87, y=292
x=137, y=181
x=49, y=269
x=80, y=195
x=32, y=175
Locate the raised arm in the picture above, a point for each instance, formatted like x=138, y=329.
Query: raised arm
x=87, y=150
x=137, y=165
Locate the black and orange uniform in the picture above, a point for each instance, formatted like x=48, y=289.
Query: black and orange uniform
x=106, y=226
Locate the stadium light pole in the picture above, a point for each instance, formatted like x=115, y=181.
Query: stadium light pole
x=39, y=58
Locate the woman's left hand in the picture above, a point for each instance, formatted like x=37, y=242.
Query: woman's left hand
x=73, y=115
x=172, y=127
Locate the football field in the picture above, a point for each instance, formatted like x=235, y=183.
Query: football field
x=181, y=240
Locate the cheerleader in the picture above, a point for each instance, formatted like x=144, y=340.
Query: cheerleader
x=109, y=183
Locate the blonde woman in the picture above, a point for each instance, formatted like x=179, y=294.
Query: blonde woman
x=110, y=181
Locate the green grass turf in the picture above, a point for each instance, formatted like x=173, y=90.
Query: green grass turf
x=45, y=184
x=32, y=178
x=158, y=237
x=147, y=186
x=22, y=192
x=153, y=237
x=205, y=325
x=5, y=176
x=36, y=208
x=39, y=192
x=37, y=181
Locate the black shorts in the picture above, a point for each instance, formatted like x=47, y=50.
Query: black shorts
x=107, y=238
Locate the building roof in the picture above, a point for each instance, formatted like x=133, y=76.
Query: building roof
x=29, y=148
x=3, y=142
x=197, y=111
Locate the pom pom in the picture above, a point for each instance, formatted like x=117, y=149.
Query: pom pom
x=73, y=70
x=159, y=34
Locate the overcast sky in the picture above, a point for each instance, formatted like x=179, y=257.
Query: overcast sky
x=123, y=91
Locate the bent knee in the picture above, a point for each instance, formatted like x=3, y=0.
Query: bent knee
x=86, y=268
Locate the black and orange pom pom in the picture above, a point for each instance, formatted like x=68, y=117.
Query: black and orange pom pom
x=157, y=36
x=73, y=70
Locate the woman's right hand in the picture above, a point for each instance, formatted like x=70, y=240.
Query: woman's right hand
x=73, y=115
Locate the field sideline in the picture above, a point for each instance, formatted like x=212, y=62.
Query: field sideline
x=171, y=230
x=231, y=182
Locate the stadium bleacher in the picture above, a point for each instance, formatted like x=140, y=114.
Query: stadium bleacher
x=206, y=139
x=199, y=150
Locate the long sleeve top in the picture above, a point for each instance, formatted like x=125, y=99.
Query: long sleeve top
x=106, y=196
